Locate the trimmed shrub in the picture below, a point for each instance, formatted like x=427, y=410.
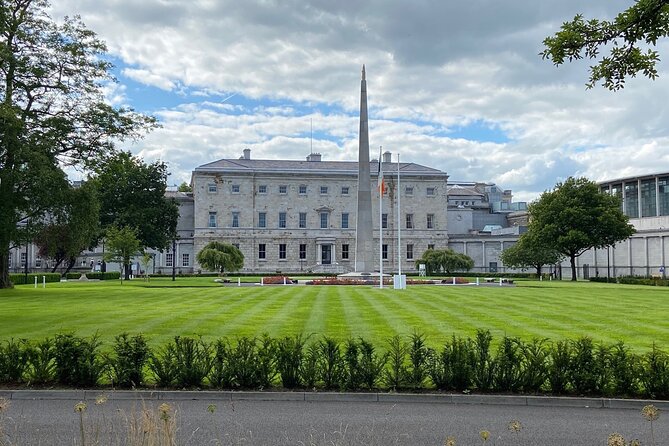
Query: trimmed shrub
x=73, y=276
x=20, y=279
x=110, y=275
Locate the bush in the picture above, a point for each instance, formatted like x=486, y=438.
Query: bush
x=20, y=279
x=192, y=361
x=289, y=354
x=77, y=360
x=396, y=374
x=14, y=361
x=42, y=361
x=73, y=276
x=131, y=354
x=110, y=275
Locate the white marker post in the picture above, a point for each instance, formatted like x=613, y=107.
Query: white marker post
x=35, y=281
x=43, y=281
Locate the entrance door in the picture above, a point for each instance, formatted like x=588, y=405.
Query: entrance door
x=326, y=254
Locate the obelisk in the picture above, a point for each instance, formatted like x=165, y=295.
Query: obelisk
x=364, y=249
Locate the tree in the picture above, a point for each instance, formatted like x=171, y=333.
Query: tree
x=122, y=246
x=132, y=193
x=52, y=112
x=184, y=187
x=216, y=256
x=72, y=228
x=436, y=260
x=576, y=216
x=627, y=38
x=528, y=252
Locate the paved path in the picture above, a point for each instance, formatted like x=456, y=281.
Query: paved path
x=265, y=418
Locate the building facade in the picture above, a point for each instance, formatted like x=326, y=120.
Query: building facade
x=293, y=216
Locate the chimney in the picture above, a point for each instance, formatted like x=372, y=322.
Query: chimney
x=247, y=154
x=387, y=157
x=314, y=157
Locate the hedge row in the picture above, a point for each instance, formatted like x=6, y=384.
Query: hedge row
x=567, y=367
x=20, y=279
x=110, y=275
x=630, y=280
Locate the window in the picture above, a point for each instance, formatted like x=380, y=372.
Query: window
x=261, y=251
x=303, y=220
x=344, y=220
x=408, y=190
x=324, y=190
x=235, y=188
x=409, y=221
x=23, y=259
x=430, y=191
x=632, y=200
x=409, y=252
x=344, y=252
x=663, y=195
x=38, y=262
x=168, y=259
x=212, y=219
x=344, y=190
x=262, y=189
x=303, y=189
x=648, y=198
x=303, y=251
x=185, y=259
x=384, y=251
x=384, y=221
x=430, y=246
x=283, y=189
x=282, y=219
x=262, y=219
x=282, y=251
x=430, y=221
x=324, y=220
x=235, y=219
x=211, y=187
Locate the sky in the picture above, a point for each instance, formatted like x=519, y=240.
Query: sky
x=458, y=86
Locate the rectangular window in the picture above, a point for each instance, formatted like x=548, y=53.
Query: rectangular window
x=303, y=251
x=282, y=251
x=282, y=219
x=235, y=188
x=410, y=252
x=185, y=259
x=261, y=251
x=283, y=189
x=344, y=252
x=430, y=246
x=617, y=191
x=344, y=190
x=409, y=221
x=324, y=190
x=663, y=195
x=632, y=200
x=384, y=221
x=235, y=219
x=408, y=190
x=303, y=220
x=168, y=259
x=430, y=221
x=344, y=220
x=648, y=198
x=212, y=219
x=23, y=259
x=324, y=220
x=430, y=191
x=262, y=219
x=303, y=189
x=211, y=187
x=384, y=252
x=262, y=189
x=38, y=262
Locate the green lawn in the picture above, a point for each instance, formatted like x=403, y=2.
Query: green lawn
x=162, y=309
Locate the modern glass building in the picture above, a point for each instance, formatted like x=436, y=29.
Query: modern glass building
x=643, y=196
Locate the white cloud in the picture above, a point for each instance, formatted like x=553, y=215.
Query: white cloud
x=432, y=67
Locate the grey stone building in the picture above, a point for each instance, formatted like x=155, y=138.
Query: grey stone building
x=300, y=215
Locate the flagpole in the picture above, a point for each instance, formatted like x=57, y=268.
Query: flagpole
x=380, y=189
x=399, y=220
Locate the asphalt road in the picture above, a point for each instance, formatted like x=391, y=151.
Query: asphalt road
x=257, y=422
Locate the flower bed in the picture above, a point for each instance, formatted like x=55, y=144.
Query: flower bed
x=278, y=280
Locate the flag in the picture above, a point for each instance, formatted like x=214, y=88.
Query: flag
x=381, y=183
